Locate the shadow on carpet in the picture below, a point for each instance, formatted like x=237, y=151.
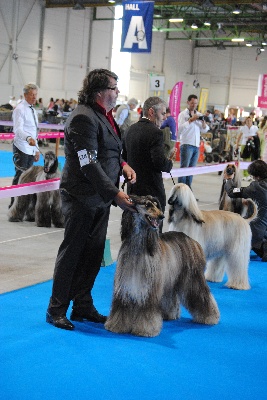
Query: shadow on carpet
x=186, y=361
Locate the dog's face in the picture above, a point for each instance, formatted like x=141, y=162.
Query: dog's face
x=50, y=162
x=175, y=199
x=230, y=169
x=148, y=208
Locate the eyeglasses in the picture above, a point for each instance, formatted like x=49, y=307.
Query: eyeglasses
x=112, y=88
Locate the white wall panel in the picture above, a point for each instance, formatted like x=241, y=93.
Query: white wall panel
x=72, y=44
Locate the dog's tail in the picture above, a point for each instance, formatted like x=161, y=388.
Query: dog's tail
x=249, y=210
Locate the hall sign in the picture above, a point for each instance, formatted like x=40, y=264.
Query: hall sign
x=157, y=82
x=137, y=24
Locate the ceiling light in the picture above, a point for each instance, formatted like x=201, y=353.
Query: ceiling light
x=207, y=23
x=194, y=26
x=78, y=6
x=176, y=20
x=112, y=1
x=249, y=44
x=236, y=11
x=238, y=39
x=221, y=46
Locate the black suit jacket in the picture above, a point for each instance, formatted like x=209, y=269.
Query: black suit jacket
x=93, y=184
x=143, y=149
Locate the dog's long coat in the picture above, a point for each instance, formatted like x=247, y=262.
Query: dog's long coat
x=224, y=236
x=44, y=207
x=155, y=273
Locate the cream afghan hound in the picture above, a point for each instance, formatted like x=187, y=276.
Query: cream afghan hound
x=155, y=273
x=224, y=236
x=44, y=208
x=240, y=206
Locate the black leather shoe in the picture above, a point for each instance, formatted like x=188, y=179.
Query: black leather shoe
x=91, y=315
x=61, y=322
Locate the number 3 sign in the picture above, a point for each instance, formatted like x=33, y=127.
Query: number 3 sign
x=157, y=82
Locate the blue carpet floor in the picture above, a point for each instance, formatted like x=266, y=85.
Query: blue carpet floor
x=7, y=168
x=186, y=361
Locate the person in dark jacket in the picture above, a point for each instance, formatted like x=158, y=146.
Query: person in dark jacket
x=143, y=149
x=257, y=191
x=89, y=184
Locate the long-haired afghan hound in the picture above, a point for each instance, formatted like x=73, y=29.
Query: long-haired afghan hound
x=44, y=207
x=224, y=236
x=240, y=206
x=155, y=273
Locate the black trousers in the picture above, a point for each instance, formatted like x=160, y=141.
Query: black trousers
x=80, y=255
x=22, y=162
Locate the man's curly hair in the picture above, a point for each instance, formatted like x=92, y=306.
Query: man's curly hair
x=95, y=81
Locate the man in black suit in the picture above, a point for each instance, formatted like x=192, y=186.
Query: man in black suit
x=89, y=184
x=144, y=150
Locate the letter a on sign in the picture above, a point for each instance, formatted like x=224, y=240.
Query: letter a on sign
x=137, y=26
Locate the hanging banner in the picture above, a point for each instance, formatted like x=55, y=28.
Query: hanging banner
x=262, y=91
x=175, y=101
x=203, y=99
x=262, y=85
x=137, y=24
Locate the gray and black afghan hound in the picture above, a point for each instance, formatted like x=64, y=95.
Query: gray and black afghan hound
x=44, y=208
x=155, y=273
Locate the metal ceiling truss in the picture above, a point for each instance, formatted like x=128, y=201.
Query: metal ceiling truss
x=250, y=24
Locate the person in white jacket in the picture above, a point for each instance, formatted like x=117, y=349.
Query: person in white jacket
x=190, y=124
x=25, y=120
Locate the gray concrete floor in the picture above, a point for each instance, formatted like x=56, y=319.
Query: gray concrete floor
x=28, y=253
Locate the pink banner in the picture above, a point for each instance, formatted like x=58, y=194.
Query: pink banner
x=262, y=102
x=264, y=86
x=41, y=135
x=175, y=100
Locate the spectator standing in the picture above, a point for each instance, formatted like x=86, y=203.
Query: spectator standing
x=261, y=132
x=248, y=133
x=209, y=115
x=89, y=184
x=26, y=132
x=169, y=133
x=50, y=105
x=170, y=122
x=143, y=149
x=189, y=129
x=123, y=116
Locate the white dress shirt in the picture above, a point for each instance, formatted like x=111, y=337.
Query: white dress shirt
x=24, y=126
x=189, y=133
x=247, y=132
